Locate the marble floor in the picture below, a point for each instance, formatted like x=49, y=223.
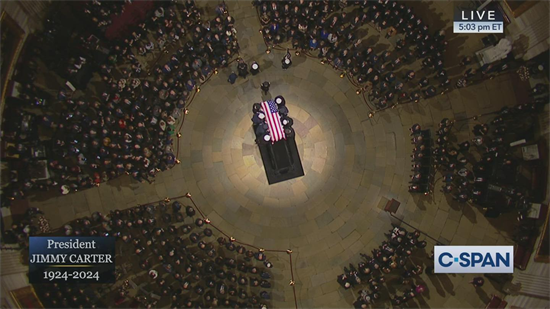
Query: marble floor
x=352, y=163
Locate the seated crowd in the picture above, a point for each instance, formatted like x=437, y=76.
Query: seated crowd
x=170, y=253
x=326, y=30
x=389, y=264
x=127, y=127
x=421, y=160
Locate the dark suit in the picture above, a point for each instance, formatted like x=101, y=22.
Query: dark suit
x=290, y=121
x=261, y=130
x=256, y=107
x=256, y=119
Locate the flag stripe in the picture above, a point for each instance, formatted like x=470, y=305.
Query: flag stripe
x=273, y=121
x=272, y=124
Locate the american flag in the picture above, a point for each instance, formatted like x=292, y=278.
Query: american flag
x=273, y=121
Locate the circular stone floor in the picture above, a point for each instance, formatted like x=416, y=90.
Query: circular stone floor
x=329, y=214
x=352, y=166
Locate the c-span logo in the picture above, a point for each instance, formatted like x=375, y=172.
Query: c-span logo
x=474, y=259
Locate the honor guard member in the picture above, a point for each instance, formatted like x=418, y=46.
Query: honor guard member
x=279, y=100
x=286, y=62
x=242, y=67
x=262, y=129
x=258, y=118
x=265, y=87
x=254, y=68
x=266, y=139
x=287, y=121
x=283, y=111
x=257, y=107
x=289, y=132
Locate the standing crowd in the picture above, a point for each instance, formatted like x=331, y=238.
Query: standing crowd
x=490, y=178
x=483, y=170
x=128, y=127
x=324, y=29
x=389, y=264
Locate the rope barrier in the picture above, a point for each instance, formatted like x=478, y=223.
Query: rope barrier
x=233, y=240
